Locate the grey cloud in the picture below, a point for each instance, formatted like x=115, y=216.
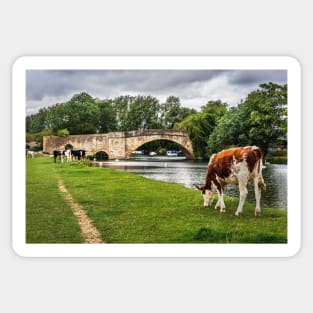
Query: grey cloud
x=195, y=87
x=42, y=83
x=252, y=77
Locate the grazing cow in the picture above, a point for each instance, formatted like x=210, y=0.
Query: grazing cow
x=62, y=154
x=58, y=153
x=68, y=155
x=78, y=154
x=234, y=166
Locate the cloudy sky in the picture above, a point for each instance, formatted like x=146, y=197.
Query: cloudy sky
x=194, y=87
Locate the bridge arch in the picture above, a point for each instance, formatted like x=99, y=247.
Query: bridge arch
x=101, y=155
x=136, y=139
x=187, y=153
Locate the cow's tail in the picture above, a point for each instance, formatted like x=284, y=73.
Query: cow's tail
x=261, y=183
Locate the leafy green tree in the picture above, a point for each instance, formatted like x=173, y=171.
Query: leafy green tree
x=230, y=131
x=57, y=117
x=143, y=113
x=267, y=115
x=83, y=115
x=140, y=112
x=260, y=120
x=121, y=106
x=199, y=126
x=107, y=121
x=196, y=127
x=171, y=112
x=37, y=122
x=80, y=115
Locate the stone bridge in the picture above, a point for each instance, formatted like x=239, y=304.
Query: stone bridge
x=117, y=145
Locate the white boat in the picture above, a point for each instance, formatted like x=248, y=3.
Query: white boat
x=137, y=152
x=171, y=153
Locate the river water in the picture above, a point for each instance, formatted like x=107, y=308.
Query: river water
x=188, y=173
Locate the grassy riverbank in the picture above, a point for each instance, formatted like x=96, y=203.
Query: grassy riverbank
x=127, y=208
x=49, y=219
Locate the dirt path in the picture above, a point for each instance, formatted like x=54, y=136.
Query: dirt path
x=88, y=231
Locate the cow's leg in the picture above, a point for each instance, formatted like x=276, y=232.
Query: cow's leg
x=243, y=194
x=257, y=191
x=221, y=201
x=218, y=203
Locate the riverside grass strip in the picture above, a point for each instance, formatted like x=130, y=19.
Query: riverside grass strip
x=127, y=208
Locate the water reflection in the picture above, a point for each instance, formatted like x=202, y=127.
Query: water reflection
x=188, y=173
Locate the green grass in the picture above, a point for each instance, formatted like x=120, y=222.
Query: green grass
x=48, y=217
x=127, y=208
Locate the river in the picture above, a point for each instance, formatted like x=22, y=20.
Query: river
x=188, y=173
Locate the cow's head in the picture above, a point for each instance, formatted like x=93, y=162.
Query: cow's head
x=207, y=194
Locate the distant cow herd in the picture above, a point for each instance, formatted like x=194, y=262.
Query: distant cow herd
x=69, y=155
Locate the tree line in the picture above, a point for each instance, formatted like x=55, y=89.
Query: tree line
x=260, y=119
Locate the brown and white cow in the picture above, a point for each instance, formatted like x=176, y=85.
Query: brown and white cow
x=234, y=166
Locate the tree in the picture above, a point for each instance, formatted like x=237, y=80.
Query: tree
x=106, y=118
x=171, y=112
x=260, y=120
x=229, y=131
x=57, y=117
x=37, y=122
x=83, y=114
x=199, y=126
x=143, y=113
x=140, y=112
x=267, y=112
x=196, y=127
x=80, y=115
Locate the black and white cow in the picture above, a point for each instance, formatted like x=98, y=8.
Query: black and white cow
x=78, y=154
x=68, y=155
x=61, y=154
x=58, y=154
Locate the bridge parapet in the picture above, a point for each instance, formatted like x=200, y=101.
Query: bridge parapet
x=157, y=132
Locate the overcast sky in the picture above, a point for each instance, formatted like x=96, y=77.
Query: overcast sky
x=193, y=87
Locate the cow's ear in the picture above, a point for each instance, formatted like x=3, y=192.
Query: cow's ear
x=198, y=187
